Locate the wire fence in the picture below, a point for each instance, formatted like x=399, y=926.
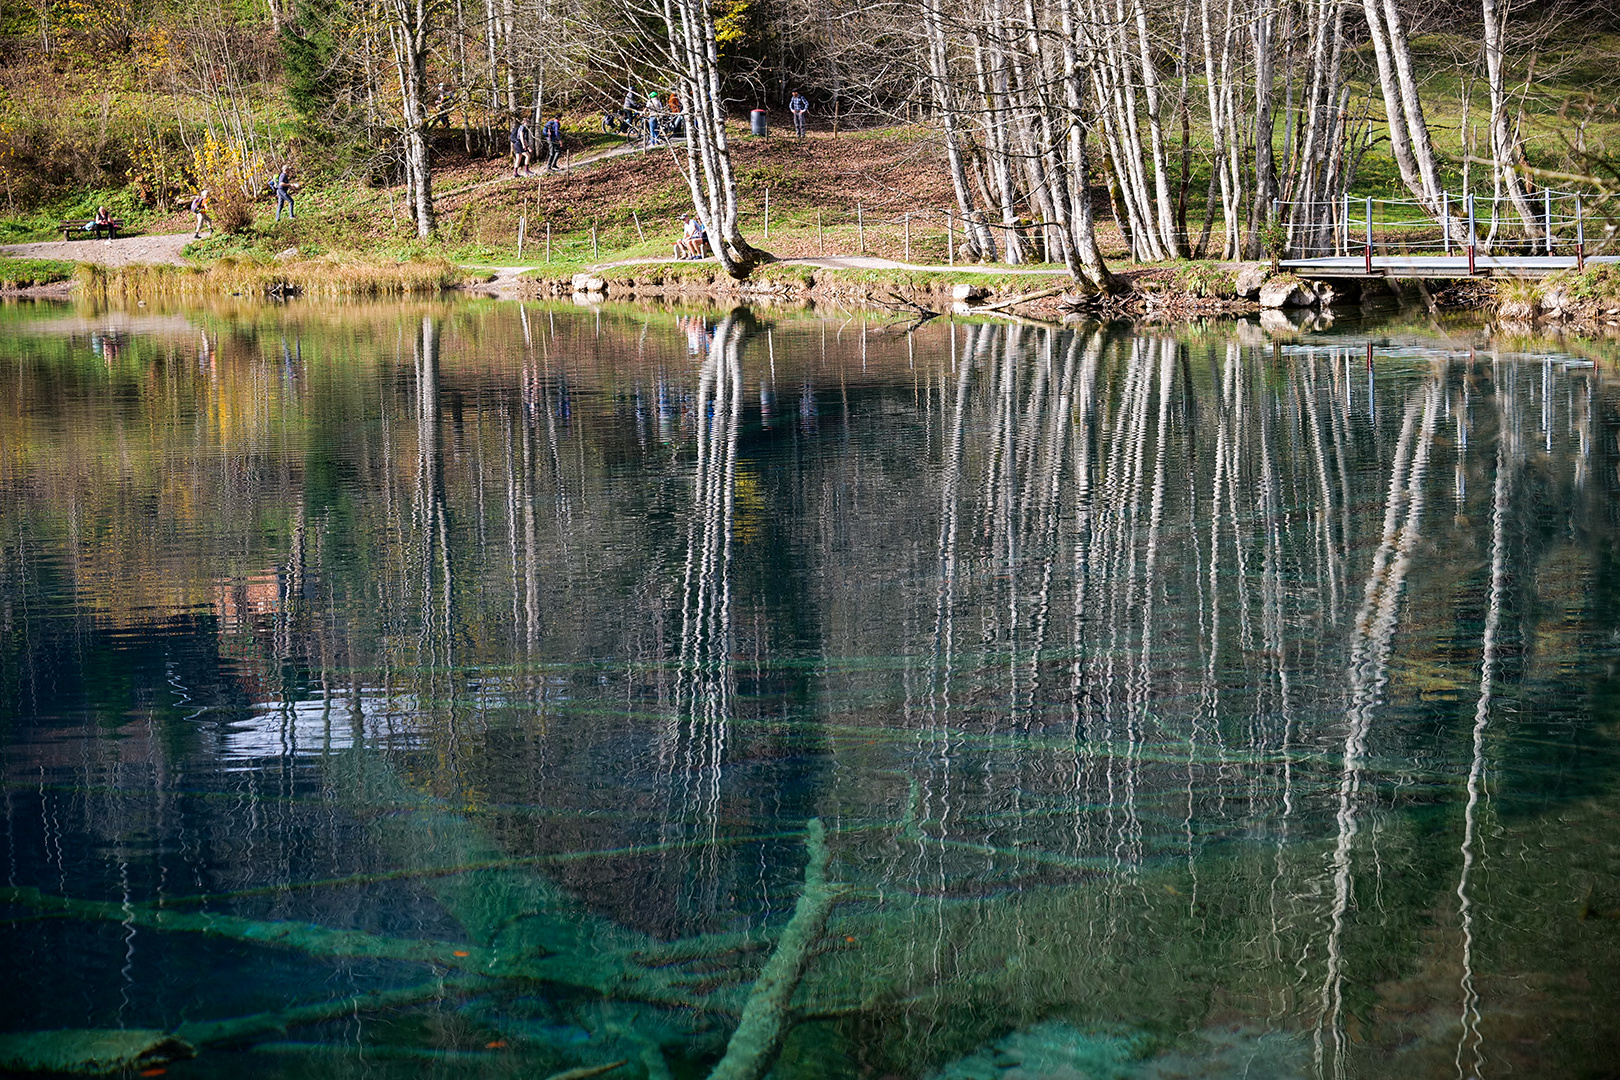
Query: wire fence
x=1546, y=223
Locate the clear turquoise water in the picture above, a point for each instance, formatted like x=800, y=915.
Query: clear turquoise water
x=1179, y=702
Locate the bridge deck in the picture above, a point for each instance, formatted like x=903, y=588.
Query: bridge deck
x=1439, y=266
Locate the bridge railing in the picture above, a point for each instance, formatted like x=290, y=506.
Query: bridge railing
x=1547, y=222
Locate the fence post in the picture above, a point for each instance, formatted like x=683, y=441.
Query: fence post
x=548, y=241
x=1369, y=234
x=1445, y=219
x=639, y=233
x=594, y=253
x=908, y=236
x=523, y=221
x=1344, y=227
x=860, y=230
x=950, y=239
x=767, y=213
x=1546, y=213
x=1580, y=237
x=1473, y=233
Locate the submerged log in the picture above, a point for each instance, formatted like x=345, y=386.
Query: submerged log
x=767, y=1015
x=310, y=938
x=242, y=1028
x=89, y=1051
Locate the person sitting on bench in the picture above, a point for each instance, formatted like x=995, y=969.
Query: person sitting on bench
x=103, y=221
x=694, y=244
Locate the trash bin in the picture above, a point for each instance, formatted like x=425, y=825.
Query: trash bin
x=756, y=121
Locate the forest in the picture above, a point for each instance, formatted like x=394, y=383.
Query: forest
x=1221, y=129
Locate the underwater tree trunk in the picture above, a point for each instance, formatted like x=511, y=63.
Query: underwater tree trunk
x=766, y=1018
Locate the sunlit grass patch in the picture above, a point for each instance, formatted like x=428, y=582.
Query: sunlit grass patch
x=22, y=273
x=339, y=274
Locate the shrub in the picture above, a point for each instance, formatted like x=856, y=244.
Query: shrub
x=1517, y=298
x=232, y=212
x=1274, y=238
x=230, y=173
x=1206, y=279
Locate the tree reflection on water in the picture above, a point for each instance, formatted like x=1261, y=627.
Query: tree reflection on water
x=1172, y=702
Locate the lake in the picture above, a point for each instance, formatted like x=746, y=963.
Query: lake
x=450, y=689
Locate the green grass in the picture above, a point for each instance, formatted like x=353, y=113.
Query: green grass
x=21, y=273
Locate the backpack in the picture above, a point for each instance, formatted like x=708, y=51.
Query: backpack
x=196, y=203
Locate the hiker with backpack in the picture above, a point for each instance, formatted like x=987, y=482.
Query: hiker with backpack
x=520, y=148
x=554, y=142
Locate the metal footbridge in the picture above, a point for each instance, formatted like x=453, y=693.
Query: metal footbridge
x=1440, y=266
x=1452, y=237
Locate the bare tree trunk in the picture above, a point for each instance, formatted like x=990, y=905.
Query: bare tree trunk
x=1155, y=118
x=464, y=84
x=689, y=25
x=1503, y=144
x=411, y=27
x=1265, y=176
x=978, y=234
x=991, y=77
x=1422, y=146
x=1215, y=90
x=1400, y=132
x=508, y=19
x=1080, y=252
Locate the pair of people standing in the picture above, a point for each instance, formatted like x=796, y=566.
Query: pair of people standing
x=523, y=146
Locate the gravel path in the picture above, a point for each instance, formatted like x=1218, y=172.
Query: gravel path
x=160, y=248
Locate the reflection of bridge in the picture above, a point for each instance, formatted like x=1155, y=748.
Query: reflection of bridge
x=1440, y=266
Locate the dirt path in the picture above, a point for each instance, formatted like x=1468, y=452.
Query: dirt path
x=570, y=163
x=161, y=248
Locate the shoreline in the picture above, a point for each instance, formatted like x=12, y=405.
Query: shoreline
x=1156, y=293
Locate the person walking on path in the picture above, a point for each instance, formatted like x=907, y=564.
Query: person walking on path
x=798, y=107
x=521, y=148
x=282, y=186
x=653, y=114
x=200, y=207
x=554, y=143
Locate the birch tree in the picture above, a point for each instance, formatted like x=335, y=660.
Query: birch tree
x=410, y=27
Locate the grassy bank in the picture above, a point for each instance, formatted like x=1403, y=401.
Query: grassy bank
x=339, y=274
x=26, y=273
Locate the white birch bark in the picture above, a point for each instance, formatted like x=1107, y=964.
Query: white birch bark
x=1503, y=144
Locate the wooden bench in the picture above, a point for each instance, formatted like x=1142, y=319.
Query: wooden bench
x=75, y=230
